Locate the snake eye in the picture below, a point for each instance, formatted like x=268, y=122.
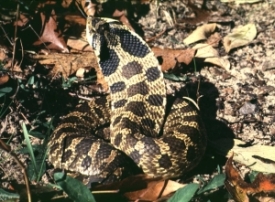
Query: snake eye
x=98, y=25
x=103, y=28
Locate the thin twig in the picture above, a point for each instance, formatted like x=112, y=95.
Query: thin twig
x=39, y=38
x=157, y=36
x=198, y=91
x=15, y=36
x=7, y=149
x=22, y=52
x=80, y=96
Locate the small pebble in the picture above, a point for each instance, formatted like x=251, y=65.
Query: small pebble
x=248, y=108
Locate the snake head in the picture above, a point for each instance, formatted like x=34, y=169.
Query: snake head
x=96, y=31
x=92, y=35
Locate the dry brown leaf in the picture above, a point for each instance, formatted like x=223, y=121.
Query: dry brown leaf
x=211, y=55
x=8, y=62
x=142, y=187
x=219, y=61
x=75, y=19
x=3, y=54
x=50, y=35
x=214, y=40
x=205, y=51
x=262, y=186
x=78, y=25
x=68, y=64
x=4, y=79
x=79, y=44
x=171, y=57
x=201, y=33
x=240, y=36
x=66, y=3
x=22, y=21
x=80, y=72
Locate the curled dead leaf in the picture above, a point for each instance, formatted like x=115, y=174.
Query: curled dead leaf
x=241, y=191
x=205, y=51
x=211, y=55
x=240, y=36
x=201, y=33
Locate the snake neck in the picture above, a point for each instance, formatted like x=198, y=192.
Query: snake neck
x=137, y=88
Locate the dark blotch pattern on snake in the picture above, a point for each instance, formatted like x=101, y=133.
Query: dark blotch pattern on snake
x=162, y=145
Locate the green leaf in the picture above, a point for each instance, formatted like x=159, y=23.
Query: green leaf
x=185, y=194
x=24, y=88
x=29, y=146
x=33, y=174
x=74, y=188
x=31, y=80
x=35, y=148
x=37, y=166
x=252, y=175
x=4, y=195
x=37, y=134
x=5, y=90
x=68, y=83
x=173, y=77
x=215, y=183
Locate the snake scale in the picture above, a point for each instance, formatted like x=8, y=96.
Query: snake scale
x=162, y=140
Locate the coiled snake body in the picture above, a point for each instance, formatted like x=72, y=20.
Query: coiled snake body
x=163, y=141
